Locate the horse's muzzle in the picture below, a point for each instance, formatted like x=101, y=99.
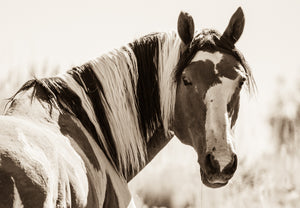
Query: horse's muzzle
x=212, y=176
x=213, y=181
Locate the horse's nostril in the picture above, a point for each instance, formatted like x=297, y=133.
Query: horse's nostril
x=211, y=164
x=231, y=167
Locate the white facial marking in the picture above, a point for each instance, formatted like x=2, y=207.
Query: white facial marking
x=217, y=126
x=204, y=55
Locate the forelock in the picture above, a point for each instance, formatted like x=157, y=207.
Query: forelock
x=211, y=41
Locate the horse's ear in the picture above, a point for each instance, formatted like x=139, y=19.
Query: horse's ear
x=235, y=27
x=185, y=27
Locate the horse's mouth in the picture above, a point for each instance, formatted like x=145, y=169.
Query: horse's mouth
x=213, y=181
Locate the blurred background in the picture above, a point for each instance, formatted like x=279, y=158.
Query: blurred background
x=42, y=38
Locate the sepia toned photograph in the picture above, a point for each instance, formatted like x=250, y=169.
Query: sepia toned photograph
x=149, y=104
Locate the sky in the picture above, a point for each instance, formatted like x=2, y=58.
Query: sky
x=69, y=32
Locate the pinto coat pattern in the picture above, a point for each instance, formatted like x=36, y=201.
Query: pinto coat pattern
x=76, y=139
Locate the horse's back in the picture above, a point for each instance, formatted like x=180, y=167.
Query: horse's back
x=20, y=167
x=42, y=165
x=43, y=168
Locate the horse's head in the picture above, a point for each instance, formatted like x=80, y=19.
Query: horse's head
x=209, y=78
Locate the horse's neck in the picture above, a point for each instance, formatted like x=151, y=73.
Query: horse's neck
x=166, y=58
x=158, y=115
x=156, y=143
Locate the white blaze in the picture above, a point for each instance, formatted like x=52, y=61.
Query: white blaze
x=217, y=125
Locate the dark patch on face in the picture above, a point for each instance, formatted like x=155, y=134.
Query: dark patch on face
x=203, y=72
x=148, y=100
x=233, y=106
x=191, y=109
x=226, y=67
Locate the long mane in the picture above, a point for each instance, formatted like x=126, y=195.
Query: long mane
x=121, y=98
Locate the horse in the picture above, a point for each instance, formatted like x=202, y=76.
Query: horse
x=77, y=139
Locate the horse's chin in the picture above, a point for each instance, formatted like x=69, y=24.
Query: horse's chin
x=212, y=183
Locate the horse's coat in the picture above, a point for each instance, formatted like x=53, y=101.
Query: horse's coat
x=76, y=139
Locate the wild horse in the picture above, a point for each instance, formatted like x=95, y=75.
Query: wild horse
x=76, y=139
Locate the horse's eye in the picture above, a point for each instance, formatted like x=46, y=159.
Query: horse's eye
x=242, y=82
x=186, y=81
